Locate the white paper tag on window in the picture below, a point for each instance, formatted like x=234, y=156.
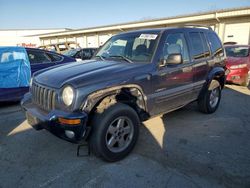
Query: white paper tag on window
x=148, y=36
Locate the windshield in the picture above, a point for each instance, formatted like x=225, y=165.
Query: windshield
x=70, y=53
x=135, y=47
x=237, y=51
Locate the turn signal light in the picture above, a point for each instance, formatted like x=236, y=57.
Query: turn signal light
x=69, y=121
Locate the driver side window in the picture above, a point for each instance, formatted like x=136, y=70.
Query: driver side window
x=175, y=43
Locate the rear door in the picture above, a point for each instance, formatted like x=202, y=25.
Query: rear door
x=200, y=57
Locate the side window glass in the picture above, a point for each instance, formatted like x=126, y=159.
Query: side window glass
x=86, y=54
x=198, y=51
x=215, y=45
x=78, y=55
x=205, y=45
x=54, y=57
x=175, y=43
x=36, y=57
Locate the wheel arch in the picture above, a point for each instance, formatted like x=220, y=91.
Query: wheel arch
x=217, y=73
x=131, y=94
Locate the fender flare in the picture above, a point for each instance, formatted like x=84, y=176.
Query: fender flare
x=92, y=99
x=217, y=73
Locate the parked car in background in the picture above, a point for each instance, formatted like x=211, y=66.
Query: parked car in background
x=238, y=64
x=60, y=47
x=81, y=53
x=40, y=59
x=17, y=64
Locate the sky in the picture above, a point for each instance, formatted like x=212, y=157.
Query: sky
x=45, y=14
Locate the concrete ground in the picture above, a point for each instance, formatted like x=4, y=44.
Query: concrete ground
x=184, y=148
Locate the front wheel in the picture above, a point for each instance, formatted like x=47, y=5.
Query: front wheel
x=115, y=132
x=209, y=101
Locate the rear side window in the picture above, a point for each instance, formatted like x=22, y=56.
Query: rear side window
x=215, y=44
x=54, y=57
x=199, y=48
x=205, y=45
x=38, y=57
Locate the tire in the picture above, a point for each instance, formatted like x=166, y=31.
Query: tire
x=209, y=101
x=246, y=82
x=115, y=131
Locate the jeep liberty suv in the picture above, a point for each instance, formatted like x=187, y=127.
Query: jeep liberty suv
x=134, y=76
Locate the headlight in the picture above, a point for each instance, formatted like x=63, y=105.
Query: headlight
x=68, y=95
x=238, y=66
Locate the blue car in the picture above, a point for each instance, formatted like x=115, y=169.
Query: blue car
x=17, y=64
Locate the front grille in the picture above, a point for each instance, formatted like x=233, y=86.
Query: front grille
x=43, y=97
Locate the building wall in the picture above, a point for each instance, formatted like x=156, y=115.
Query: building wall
x=23, y=38
x=228, y=31
x=232, y=25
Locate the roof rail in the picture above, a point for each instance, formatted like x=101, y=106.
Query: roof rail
x=197, y=25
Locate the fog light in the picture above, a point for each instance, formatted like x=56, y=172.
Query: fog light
x=69, y=134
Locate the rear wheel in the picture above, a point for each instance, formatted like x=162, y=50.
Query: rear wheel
x=210, y=100
x=115, y=132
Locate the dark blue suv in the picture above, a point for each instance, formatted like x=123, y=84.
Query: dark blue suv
x=134, y=76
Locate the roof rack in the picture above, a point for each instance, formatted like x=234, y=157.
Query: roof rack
x=197, y=25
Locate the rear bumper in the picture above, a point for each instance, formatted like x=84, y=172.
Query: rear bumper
x=39, y=119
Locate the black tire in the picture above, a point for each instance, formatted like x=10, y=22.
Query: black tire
x=101, y=123
x=204, y=101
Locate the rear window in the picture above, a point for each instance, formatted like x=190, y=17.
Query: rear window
x=9, y=56
x=215, y=44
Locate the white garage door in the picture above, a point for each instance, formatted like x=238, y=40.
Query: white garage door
x=92, y=42
x=80, y=42
x=237, y=33
x=103, y=39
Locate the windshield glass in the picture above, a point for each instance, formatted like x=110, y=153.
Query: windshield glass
x=70, y=53
x=237, y=51
x=135, y=47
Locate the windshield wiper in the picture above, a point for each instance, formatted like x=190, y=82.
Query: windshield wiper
x=101, y=57
x=123, y=57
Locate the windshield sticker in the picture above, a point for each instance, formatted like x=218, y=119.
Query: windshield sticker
x=148, y=36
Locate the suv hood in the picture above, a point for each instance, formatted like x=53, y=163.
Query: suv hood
x=236, y=60
x=84, y=73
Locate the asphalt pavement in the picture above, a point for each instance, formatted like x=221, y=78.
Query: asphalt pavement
x=184, y=148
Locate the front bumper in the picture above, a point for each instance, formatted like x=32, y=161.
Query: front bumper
x=40, y=119
x=237, y=76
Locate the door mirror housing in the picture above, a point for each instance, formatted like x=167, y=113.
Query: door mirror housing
x=172, y=59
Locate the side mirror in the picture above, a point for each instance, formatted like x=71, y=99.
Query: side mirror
x=173, y=59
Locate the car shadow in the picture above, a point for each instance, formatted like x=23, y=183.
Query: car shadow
x=204, y=145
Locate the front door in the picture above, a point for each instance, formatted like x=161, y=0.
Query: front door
x=172, y=84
